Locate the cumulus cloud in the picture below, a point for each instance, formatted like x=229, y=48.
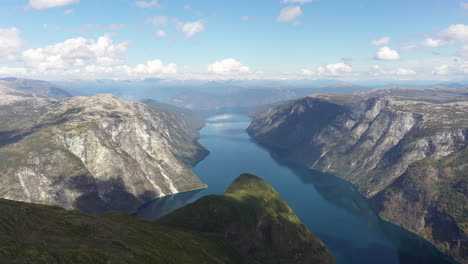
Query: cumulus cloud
x=443, y=70
x=289, y=13
x=190, y=29
x=297, y=1
x=334, y=69
x=158, y=21
x=381, y=41
x=457, y=33
x=402, y=72
x=148, y=4
x=155, y=67
x=76, y=52
x=45, y=4
x=68, y=12
x=430, y=42
x=228, y=67
x=161, y=33
x=12, y=71
x=10, y=43
x=386, y=53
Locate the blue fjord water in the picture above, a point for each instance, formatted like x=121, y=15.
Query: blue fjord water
x=330, y=207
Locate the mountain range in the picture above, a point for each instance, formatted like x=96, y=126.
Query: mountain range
x=405, y=149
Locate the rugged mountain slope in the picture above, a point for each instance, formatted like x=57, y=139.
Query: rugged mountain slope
x=431, y=200
x=256, y=220
x=93, y=153
x=36, y=86
x=44, y=234
x=370, y=138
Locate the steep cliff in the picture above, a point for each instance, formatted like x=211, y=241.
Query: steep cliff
x=44, y=234
x=93, y=153
x=370, y=138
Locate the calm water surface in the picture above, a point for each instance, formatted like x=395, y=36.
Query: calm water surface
x=330, y=207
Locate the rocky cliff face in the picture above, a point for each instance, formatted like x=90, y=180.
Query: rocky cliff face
x=371, y=138
x=93, y=153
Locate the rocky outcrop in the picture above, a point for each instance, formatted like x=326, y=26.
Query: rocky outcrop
x=255, y=220
x=371, y=139
x=94, y=153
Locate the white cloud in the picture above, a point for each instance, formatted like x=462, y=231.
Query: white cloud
x=190, y=29
x=402, y=72
x=228, y=67
x=381, y=41
x=463, y=52
x=12, y=71
x=68, y=12
x=76, y=52
x=155, y=67
x=386, y=53
x=334, y=69
x=375, y=67
x=161, y=33
x=457, y=33
x=443, y=70
x=297, y=1
x=289, y=13
x=430, y=42
x=148, y=4
x=158, y=21
x=45, y=4
x=10, y=43
x=246, y=18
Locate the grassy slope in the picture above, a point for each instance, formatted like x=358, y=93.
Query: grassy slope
x=32, y=233
x=256, y=220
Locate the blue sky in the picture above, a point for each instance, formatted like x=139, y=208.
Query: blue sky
x=241, y=39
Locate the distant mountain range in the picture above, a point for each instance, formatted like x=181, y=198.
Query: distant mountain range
x=35, y=86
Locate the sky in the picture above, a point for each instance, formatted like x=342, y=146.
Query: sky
x=237, y=39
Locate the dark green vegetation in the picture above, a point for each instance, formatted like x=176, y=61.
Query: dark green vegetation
x=373, y=140
x=250, y=223
x=437, y=192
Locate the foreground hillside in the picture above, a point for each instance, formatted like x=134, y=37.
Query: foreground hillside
x=371, y=139
x=270, y=233
x=95, y=153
